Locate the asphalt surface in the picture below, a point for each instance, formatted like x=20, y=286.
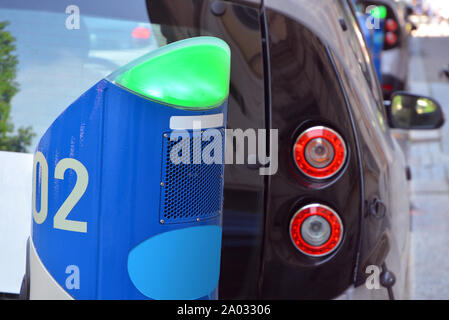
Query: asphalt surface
x=428, y=157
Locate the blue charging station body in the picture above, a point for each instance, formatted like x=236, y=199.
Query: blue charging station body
x=119, y=221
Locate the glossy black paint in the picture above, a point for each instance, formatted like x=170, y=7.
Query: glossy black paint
x=374, y=240
x=306, y=91
x=385, y=213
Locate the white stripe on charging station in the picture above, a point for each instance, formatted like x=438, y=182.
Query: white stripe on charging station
x=196, y=122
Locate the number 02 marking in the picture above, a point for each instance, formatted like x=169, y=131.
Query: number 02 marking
x=60, y=220
x=82, y=179
x=40, y=216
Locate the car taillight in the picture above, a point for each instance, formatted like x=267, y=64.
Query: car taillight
x=141, y=33
x=316, y=230
x=391, y=25
x=387, y=87
x=319, y=152
x=391, y=38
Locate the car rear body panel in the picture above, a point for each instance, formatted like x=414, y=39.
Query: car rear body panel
x=381, y=160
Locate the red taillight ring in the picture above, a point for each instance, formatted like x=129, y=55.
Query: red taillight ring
x=337, y=143
x=391, y=38
x=391, y=25
x=330, y=216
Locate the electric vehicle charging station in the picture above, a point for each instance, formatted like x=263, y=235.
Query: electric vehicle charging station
x=125, y=205
x=380, y=14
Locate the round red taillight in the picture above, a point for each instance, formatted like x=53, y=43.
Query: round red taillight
x=316, y=230
x=391, y=38
x=391, y=25
x=387, y=87
x=319, y=152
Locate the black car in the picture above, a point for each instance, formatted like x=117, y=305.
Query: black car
x=302, y=68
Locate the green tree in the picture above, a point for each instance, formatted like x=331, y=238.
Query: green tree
x=10, y=140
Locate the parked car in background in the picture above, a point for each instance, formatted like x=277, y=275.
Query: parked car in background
x=445, y=72
x=336, y=210
x=392, y=29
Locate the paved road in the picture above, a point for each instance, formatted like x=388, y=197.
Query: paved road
x=428, y=157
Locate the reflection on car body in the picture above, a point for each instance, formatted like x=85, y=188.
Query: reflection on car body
x=395, y=33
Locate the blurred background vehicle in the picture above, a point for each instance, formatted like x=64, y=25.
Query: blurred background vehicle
x=386, y=26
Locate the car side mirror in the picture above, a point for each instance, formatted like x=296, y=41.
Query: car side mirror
x=409, y=111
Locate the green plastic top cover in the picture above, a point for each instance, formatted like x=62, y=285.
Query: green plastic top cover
x=380, y=12
x=191, y=74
